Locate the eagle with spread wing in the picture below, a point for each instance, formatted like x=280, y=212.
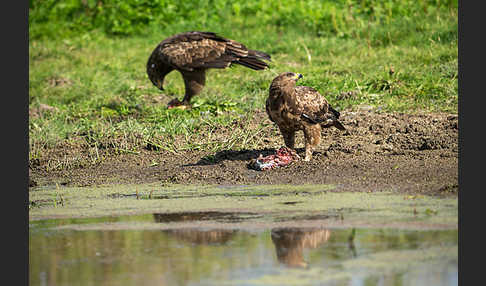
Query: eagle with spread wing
x=295, y=108
x=192, y=53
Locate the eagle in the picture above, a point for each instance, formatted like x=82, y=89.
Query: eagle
x=192, y=53
x=295, y=108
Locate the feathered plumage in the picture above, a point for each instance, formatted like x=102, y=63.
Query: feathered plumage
x=295, y=108
x=192, y=53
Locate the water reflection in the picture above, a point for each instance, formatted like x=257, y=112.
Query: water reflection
x=194, y=256
x=290, y=243
x=228, y=217
x=202, y=237
x=197, y=236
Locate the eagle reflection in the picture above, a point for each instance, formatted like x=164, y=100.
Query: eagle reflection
x=290, y=243
x=192, y=235
x=202, y=237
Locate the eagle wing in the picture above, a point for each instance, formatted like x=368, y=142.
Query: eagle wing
x=314, y=108
x=196, y=50
x=307, y=100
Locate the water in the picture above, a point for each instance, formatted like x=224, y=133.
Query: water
x=134, y=252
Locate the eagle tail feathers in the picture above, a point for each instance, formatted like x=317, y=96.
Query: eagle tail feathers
x=336, y=122
x=335, y=112
x=338, y=125
x=252, y=62
x=259, y=54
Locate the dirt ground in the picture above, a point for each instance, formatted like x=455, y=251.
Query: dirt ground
x=404, y=153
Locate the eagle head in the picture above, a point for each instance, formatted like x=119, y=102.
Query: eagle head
x=154, y=74
x=288, y=77
x=285, y=80
x=156, y=70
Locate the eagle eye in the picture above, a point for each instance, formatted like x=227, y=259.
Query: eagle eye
x=152, y=66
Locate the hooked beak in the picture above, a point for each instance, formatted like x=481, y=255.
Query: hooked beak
x=298, y=76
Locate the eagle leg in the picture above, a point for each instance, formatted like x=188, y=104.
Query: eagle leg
x=194, y=83
x=289, y=138
x=312, y=135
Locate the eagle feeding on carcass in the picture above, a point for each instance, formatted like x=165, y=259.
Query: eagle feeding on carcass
x=295, y=108
x=192, y=53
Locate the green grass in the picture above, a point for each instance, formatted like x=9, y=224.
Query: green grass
x=96, y=77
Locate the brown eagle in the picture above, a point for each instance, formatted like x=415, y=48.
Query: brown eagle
x=192, y=53
x=291, y=242
x=295, y=108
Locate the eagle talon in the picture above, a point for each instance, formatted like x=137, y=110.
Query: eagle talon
x=175, y=103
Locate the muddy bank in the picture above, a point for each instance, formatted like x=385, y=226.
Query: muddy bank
x=378, y=152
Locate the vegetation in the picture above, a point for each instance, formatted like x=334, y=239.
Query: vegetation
x=87, y=61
